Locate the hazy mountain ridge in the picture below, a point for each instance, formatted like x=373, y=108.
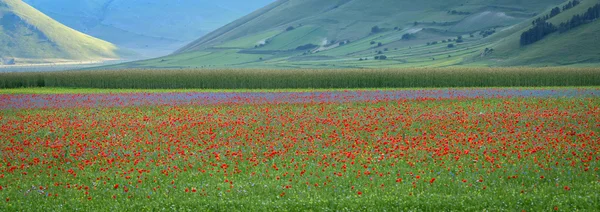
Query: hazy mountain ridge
x=147, y=26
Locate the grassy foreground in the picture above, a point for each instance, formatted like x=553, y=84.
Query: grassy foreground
x=458, y=155
x=305, y=79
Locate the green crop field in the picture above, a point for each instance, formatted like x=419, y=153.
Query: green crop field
x=303, y=79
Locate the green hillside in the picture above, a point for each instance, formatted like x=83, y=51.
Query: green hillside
x=578, y=46
x=30, y=36
x=405, y=33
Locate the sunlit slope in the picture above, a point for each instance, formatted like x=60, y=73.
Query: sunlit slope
x=27, y=33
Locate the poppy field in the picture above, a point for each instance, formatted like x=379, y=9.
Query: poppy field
x=490, y=149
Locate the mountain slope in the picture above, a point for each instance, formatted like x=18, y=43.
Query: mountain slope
x=352, y=19
x=27, y=34
x=147, y=26
x=385, y=33
x=576, y=46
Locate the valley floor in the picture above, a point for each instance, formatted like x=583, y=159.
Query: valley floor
x=493, y=149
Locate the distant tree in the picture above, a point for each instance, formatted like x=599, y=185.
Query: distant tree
x=379, y=44
x=408, y=36
x=381, y=57
x=307, y=47
x=592, y=14
x=454, y=12
x=372, y=42
x=554, y=12
x=538, y=32
x=487, y=51
x=486, y=33
x=386, y=49
x=375, y=29
x=451, y=45
x=290, y=28
x=571, y=4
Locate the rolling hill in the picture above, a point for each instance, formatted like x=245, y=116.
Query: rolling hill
x=388, y=33
x=32, y=37
x=150, y=27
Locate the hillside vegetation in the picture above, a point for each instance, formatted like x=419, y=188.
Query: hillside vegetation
x=30, y=36
x=387, y=33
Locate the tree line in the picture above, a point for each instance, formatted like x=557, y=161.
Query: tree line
x=542, y=28
x=571, y=4
x=592, y=14
x=555, y=11
x=538, y=32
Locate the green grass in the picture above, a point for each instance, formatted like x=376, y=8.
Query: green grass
x=220, y=58
x=249, y=41
x=29, y=33
x=513, y=154
x=307, y=79
x=300, y=36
